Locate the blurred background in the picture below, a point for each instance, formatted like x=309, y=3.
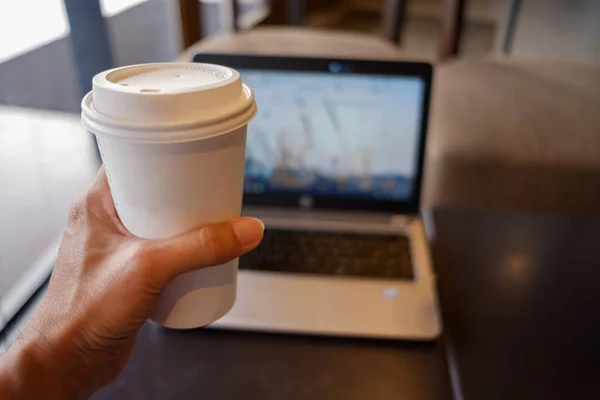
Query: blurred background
x=70, y=40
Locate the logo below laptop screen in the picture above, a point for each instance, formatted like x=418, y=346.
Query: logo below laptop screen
x=337, y=67
x=306, y=202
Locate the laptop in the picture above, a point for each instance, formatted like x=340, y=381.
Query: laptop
x=334, y=168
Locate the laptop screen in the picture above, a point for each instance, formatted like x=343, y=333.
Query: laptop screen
x=334, y=135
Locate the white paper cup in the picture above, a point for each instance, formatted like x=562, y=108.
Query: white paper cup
x=172, y=138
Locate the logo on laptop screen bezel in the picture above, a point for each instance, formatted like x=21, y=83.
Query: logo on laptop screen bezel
x=306, y=202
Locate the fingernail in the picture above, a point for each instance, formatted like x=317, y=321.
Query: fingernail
x=248, y=230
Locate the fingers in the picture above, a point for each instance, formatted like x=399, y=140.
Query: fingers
x=207, y=246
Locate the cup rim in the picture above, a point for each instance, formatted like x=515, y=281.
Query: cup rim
x=166, y=132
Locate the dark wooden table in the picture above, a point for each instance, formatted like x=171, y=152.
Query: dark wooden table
x=215, y=364
x=521, y=304
x=519, y=299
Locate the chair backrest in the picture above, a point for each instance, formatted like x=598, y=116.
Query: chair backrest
x=393, y=15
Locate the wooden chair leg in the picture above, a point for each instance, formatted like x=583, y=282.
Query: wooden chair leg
x=452, y=28
x=392, y=22
x=235, y=7
x=296, y=10
x=511, y=24
x=189, y=12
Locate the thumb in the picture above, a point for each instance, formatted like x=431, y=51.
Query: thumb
x=207, y=246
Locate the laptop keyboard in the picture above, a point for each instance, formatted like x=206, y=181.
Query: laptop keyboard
x=332, y=253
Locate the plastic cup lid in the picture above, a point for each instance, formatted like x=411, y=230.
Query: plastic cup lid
x=167, y=102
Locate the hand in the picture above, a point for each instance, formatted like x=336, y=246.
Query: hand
x=104, y=286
